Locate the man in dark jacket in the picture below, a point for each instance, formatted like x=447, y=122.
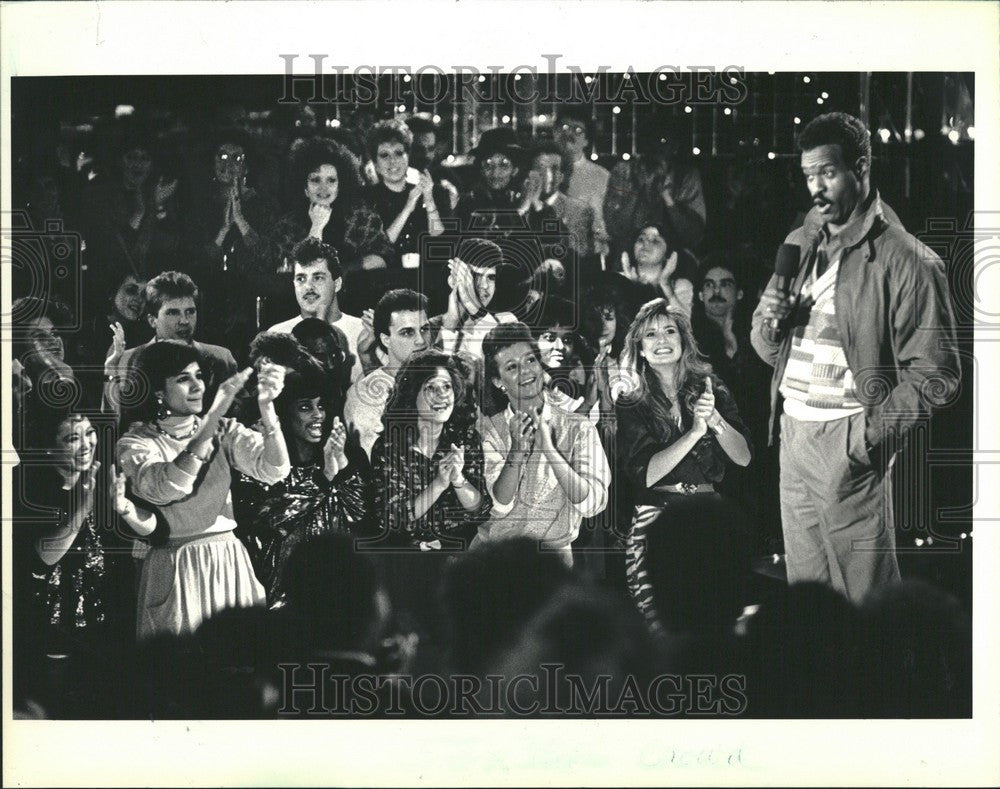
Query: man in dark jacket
x=863, y=349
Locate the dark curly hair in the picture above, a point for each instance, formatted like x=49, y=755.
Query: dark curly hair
x=401, y=409
x=388, y=131
x=154, y=364
x=313, y=154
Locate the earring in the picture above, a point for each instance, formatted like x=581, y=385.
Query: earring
x=161, y=409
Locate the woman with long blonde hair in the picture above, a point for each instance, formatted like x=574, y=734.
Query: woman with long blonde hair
x=678, y=428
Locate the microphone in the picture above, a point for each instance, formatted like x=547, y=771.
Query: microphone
x=786, y=266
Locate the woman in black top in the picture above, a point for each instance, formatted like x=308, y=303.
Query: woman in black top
x=331, y=208
x=678, y=428
x=410, y=212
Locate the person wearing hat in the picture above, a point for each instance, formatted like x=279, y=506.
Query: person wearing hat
x=588, y=181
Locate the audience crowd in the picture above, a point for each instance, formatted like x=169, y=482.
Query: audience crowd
x=327, y=404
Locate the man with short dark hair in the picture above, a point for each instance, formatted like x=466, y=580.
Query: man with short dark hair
x=317, y=280
x=473, y=280
x=172, y=311
x=401, y=329
x=868, y=325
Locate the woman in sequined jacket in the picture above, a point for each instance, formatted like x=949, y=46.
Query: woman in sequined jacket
x=329, y=487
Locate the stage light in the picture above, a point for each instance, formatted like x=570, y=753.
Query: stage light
x=806, y=80
x=124, y=109
x=884, y=134
x=588, y=79
x=688, y=109
x=482, y=78
x=451, y=157
x=593, y=157
x=797, y=120
x=437, y=118
x=406, y=78
x=918, y=542
x=401, y=108
x=626, y=157
x=542, y=118
x=696, y=151
x=825, y=95
x=727, y=111
x=954, y=136
x=971, y=131
x=505, y=119
x=616, y=110
x=918, y=134
x=819, y=100
x=335, y=123
x=771, y=154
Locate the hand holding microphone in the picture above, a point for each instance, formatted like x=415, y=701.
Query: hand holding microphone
x=776, y=302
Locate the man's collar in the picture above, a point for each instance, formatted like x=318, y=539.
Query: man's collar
x=855, y=230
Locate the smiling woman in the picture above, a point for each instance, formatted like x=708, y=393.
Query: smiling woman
x=182, y=463
x=678, y=428
x=328, y=189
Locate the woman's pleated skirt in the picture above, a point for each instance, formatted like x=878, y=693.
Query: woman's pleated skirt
x=189, y=580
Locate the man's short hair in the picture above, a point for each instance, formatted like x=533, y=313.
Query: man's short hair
x=544, y=146
x=311, y=249
x=398, y=300
x=166, y=286
x=480, y=253
x=838, y=128
x=724, y=261
x=388, y=131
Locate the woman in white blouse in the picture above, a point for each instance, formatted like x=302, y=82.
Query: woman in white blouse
x=181, y=462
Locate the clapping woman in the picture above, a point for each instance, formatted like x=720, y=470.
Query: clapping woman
x=328, y=489
x=182, y=463
x=678, y=428
x=428, y=462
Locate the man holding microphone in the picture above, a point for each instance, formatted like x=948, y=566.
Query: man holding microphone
x=863, y=345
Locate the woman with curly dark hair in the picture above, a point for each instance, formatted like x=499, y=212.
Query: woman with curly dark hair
x=332, y=209
x=678, y=428
x=428, y=461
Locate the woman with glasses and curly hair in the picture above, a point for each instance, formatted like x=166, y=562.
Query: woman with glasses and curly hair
x=678, y=428
x=428, y=462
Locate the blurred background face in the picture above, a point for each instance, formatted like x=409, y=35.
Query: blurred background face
x=719, y=292
x=572, y=138
x=322, y=185
x=230, y=163
x=556, y=346
x=136, y=165
x=130, y=298
x=307, y=419
x=75, y=444
x=549, y=167
x=182, y=393
x=42, y=338
x=436, y=398
x=409, y=332
x=650, y=249
x=498, y=170
x=423, y=150
x=391, y=161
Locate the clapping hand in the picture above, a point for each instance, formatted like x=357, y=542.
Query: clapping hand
x=463, y=285
x=122, y=504
x=543, y=428
x=413, y=197
x=334, y=459
x=457, y=465
x=227, y=392
x=704, y=408
x=270, y=381
x=426, y=185
x=522, y=432
x=116, y=350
